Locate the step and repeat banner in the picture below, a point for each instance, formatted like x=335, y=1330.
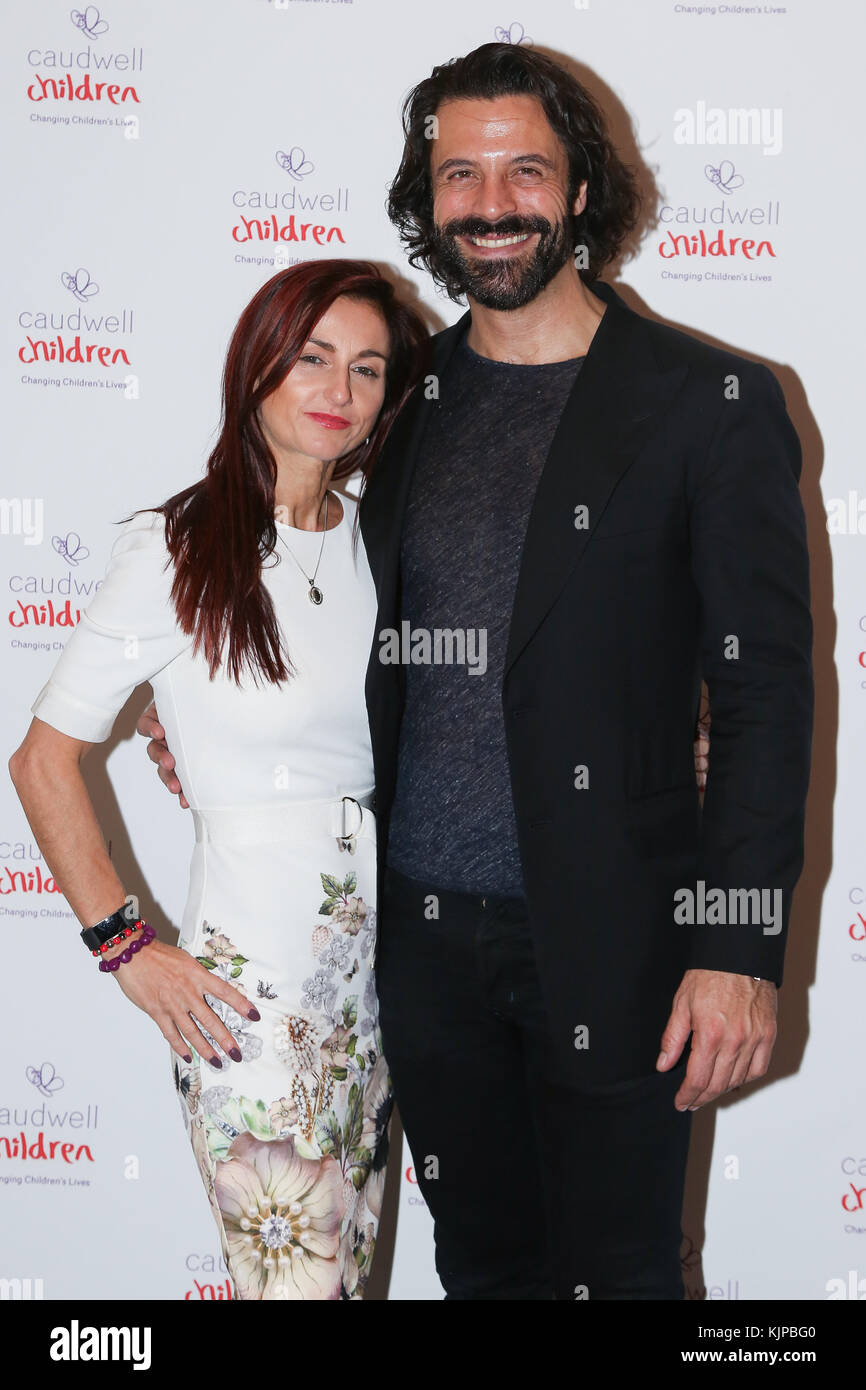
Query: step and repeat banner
x=161, y=162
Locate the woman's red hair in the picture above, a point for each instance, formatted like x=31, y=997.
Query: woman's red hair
x=221, y=528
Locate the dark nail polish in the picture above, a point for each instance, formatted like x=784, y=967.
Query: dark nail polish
x=215, y=1061
x=186, y=1057
x=254, y=1015
x=235, y=1052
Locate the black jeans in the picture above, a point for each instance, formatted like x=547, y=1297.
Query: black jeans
x=539, y=1188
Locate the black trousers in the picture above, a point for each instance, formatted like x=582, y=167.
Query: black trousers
x=539, y=1187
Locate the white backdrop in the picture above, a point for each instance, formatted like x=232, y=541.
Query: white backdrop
x=128, y=259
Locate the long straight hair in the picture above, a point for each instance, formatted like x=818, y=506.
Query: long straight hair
x=221, y=528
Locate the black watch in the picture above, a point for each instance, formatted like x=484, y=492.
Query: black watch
x=94, y=937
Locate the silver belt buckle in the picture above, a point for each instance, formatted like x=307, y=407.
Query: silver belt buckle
x=348, y=838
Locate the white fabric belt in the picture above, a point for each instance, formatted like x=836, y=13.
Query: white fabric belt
x=347, y=818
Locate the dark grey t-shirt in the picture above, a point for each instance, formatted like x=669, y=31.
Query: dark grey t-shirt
x=452, y=823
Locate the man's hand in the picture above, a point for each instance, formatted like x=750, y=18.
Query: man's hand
x=733, y=1019
x=157, y=751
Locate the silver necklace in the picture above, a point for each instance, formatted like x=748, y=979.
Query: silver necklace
x=315, y=595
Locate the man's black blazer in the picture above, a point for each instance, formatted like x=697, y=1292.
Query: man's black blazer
x=691, y=562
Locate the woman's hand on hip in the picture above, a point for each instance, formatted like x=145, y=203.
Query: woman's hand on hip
x=158, y=751
x=170, y=984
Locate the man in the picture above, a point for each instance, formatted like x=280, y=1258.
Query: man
x=578, y=515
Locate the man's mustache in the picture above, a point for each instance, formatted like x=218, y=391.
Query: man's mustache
x=509, y=226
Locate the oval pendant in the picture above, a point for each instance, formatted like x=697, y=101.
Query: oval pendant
x=316, y=595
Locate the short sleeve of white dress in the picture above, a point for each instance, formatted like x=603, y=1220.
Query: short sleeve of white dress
x=127, y=634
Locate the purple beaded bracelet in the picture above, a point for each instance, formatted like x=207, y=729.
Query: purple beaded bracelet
x=147, y=935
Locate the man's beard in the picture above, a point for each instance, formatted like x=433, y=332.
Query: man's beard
x=503, y=282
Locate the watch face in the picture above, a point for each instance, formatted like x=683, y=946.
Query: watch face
x=95, y=936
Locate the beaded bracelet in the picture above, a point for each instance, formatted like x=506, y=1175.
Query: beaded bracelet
x=125, y=957
x=116, y=940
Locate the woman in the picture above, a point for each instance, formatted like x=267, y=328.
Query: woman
x=248, y=604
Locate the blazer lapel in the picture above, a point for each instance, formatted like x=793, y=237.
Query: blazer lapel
x=614, y=406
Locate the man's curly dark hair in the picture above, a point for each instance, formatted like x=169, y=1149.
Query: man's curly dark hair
x=504, y=69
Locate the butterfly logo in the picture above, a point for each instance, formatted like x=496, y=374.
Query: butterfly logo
x=45, y=1079
x=88, y=22
x=70, y=548
x=515, y=33
x=723, y=177
x=295, y=163
x=264, y=991
x=80, y=284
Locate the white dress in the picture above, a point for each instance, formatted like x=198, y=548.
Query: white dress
x=291, y=1142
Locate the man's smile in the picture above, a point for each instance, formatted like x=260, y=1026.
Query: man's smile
x=498, y=243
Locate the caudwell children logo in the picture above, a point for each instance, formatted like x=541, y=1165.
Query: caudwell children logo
x=853, y=1197
x=214, y=1285
x=75, y=329
x=46, y=602
x=291, y=206
x=25, y=884
x=731, y=227
x=39, y=1133
x=81, y=73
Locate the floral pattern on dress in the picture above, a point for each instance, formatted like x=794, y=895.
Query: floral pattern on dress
x=282, y=1216
x=296, y=1180
x=219, y=951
